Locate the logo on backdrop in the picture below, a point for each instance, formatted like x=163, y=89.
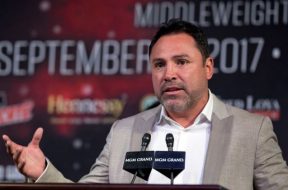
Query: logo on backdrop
x=77, y=111
x=16, y=113
x=263, y=106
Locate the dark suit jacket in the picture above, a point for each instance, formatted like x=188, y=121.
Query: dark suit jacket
x=243, y=152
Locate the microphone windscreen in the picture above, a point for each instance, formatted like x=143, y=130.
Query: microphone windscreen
x=146, y=140
x=170, y=141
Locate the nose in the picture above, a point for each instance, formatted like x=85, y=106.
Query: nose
x=170, y=73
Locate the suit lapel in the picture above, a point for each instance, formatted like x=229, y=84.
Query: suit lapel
x=218, y=143
x=217, y=149
x=142, y=125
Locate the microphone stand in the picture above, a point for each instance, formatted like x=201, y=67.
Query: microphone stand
x=134, y=177
x=172, y=178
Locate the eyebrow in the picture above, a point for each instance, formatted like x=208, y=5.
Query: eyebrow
x=157, y=59
x=173, y=57
x=181, y=56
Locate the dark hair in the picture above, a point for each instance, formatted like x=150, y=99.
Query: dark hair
x=175, y=26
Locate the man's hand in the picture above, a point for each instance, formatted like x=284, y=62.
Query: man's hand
x=30, y=159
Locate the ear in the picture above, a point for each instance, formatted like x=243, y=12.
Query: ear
x=209, y=67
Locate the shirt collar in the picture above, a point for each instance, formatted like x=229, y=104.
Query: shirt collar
x=206, y=113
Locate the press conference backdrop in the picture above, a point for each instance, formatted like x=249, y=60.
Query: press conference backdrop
x=74, y=67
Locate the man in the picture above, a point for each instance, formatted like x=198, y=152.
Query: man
x=224, y=145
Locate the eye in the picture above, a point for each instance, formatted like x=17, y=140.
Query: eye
x=182, y=61
x=159, y=64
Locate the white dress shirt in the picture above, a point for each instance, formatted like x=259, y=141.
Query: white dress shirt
x=193, y=140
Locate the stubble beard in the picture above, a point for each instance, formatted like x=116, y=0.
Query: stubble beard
x=177, y=104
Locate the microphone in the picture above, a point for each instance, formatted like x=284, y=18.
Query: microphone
x=170, y=163
x=145, y=141
x=170, y=141
x=140, y=163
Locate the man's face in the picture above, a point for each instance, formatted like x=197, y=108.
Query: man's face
x=179, y=73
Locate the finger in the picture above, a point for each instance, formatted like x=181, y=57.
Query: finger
x=6, y=138
x=37, y=137
x=21, y=165
x=11, y=147
x=6, y=141
x=17, y=154
x=8, y=148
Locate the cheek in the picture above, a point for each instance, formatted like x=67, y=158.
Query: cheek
x=156, y=77
x=156, y=82
x=193, y=79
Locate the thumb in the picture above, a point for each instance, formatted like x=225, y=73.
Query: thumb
x=37, y=137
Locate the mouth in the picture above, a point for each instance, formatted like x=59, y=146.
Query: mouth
x=171, y=90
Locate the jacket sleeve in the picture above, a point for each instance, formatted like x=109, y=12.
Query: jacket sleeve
x=52, y=175
x=270, y=170
x=99, y=172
